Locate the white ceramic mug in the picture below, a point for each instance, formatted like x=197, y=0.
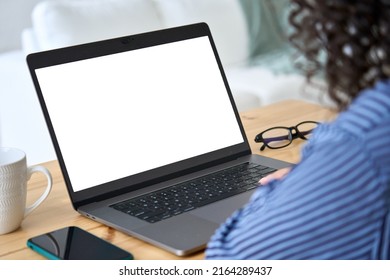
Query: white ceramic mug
x=14, y=175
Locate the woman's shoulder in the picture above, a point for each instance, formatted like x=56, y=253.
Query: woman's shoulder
x=363, y=127
x=368, y=112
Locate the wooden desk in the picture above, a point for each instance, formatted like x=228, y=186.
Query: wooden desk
x=57, y=212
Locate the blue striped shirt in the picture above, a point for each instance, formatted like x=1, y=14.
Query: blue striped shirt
x=334, y=204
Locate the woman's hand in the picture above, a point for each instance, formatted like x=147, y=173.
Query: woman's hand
x=277, y=175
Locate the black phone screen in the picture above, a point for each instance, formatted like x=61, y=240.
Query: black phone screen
x=73, y=243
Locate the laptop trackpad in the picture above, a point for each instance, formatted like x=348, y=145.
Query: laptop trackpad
x=219, y=211
x=180, y=233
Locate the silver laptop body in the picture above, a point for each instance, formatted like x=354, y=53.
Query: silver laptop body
x=136, y=115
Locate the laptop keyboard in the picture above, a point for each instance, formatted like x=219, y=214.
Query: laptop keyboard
x=183, y=197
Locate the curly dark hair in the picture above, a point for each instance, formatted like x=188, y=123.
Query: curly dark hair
x=348, y=41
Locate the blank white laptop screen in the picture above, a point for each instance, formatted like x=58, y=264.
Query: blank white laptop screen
x=122, y=114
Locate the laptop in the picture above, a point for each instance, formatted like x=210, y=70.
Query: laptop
x=147, y=134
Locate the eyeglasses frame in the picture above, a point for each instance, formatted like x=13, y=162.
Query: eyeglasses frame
x=291, y=135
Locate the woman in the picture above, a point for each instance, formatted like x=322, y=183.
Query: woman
x=334, y=204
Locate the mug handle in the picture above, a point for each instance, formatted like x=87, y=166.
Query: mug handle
x=43, y=170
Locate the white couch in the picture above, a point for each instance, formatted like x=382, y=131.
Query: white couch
x=238, y=26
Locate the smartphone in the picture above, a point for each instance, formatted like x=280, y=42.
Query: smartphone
x=73, y=243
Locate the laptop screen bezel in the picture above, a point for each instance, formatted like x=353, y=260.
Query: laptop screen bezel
x=123, y=44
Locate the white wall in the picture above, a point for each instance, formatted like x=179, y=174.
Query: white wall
x=16, y=86
x=15, y=15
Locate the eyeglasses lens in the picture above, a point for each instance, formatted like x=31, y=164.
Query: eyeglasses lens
x=277, y=137
x=306, y=128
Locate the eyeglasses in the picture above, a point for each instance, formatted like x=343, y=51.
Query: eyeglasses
x=280, y=136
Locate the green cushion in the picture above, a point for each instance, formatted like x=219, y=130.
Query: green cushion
x=268, y=28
